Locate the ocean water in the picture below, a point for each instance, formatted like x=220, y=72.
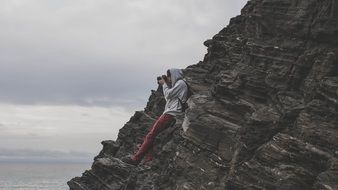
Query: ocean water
x=39, y=176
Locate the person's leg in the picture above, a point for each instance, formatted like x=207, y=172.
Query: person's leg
x=149, y=155
x=161, y=123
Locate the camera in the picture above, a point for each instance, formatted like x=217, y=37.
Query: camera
x=164, y=77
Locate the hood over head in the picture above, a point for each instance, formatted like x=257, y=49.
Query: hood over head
x=176, y=74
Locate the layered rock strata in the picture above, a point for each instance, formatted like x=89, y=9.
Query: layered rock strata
x=264, y=114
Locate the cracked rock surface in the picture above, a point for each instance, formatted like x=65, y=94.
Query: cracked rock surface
x=264, y=114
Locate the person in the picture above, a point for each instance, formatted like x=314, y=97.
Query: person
x=173, y=88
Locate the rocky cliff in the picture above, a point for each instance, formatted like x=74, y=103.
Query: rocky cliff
x=264, y=114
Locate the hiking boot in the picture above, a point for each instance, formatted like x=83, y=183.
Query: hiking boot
x=130, y=160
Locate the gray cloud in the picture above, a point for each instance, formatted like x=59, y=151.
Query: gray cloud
x=100, y=52
x=62, y=128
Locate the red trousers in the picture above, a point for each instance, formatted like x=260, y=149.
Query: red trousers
x=160, y=124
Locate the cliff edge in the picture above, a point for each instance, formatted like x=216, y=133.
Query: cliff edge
x=264, y=114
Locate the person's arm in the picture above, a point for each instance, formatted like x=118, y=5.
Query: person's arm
x=172, y=92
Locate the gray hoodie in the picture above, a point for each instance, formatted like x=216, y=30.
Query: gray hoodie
x=178, y=90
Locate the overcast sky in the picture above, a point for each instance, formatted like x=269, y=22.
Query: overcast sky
x=74, y=71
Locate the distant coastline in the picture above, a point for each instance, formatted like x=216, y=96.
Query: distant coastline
x=46, y=161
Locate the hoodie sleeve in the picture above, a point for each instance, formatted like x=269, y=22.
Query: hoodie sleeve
x=172, y=92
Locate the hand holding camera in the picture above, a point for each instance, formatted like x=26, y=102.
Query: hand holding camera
x=162, y=79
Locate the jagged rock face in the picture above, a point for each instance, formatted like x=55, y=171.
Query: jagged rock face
x=264, y=114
